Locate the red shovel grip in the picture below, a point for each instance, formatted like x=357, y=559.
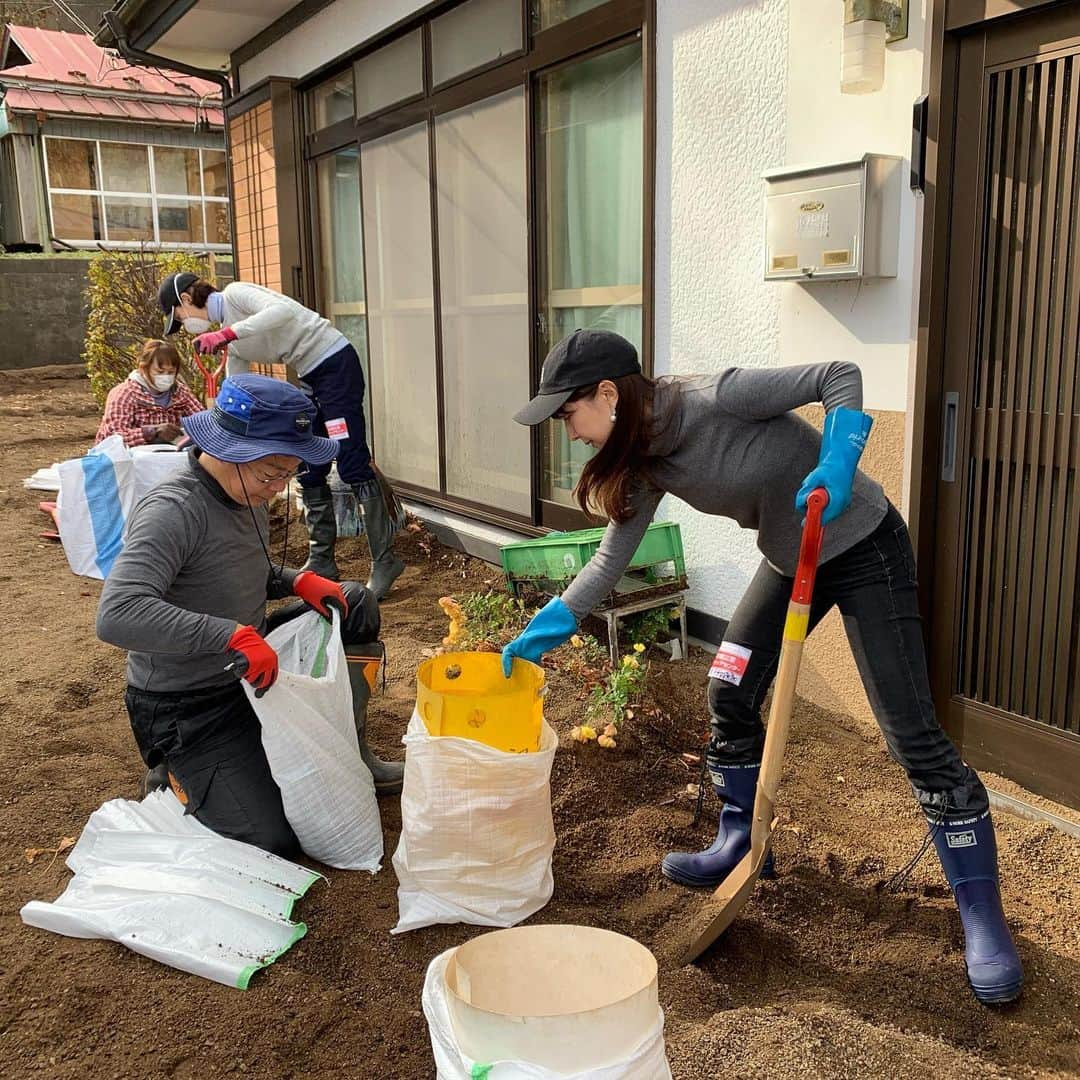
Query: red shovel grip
x=211, y=377
x=810, y=549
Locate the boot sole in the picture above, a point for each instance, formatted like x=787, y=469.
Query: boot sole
x=997, y=995
x=694, y=882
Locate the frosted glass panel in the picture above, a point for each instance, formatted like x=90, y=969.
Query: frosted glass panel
x=400, y=306
x=483, y=263
x=391, y=74
x=474, y=34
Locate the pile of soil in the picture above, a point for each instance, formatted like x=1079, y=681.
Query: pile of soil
x=826, y=973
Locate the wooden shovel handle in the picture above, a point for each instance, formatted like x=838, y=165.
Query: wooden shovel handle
x=796, y=626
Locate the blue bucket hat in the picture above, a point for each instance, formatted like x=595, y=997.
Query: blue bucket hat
x=256, y=416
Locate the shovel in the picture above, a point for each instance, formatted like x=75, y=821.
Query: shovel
x=211, y=376
x=723, y=907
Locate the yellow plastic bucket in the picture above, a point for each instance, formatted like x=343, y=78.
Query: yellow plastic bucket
x=466, y=696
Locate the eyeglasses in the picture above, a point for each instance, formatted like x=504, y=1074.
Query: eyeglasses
x=279, y=477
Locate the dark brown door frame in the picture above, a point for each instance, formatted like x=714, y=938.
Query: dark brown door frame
x=949, y=21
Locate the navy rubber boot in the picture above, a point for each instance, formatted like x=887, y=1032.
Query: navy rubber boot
x=735, y=784
x=968, y=852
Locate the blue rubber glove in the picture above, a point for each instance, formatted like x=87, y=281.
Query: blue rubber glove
x=842, y=441
x=553, y=624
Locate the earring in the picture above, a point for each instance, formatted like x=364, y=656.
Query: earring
x=613, y=416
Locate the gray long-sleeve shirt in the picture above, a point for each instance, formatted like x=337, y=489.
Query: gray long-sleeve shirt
x=192, y=568
x=733, y=447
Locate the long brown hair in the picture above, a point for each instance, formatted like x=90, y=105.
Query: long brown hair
x=605, y=479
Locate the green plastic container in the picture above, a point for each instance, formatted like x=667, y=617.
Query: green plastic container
x=559, y=556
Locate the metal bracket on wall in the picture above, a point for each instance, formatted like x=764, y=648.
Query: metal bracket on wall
x=893, y=13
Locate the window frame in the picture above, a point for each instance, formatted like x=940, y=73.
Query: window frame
x=153, y=196
x=601, y=29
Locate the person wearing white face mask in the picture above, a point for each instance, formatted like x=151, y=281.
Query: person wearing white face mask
x=149, y=404
x=261, y=326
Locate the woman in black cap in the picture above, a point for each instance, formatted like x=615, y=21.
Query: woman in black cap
x=187, y=598
x=730, y=444
x=262, y=326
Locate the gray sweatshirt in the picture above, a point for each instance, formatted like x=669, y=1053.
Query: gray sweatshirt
x=274, y=329
x=734, y=448
x=191, y=569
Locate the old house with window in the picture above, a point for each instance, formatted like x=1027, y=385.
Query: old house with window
x=459, y=183
x=95, y=152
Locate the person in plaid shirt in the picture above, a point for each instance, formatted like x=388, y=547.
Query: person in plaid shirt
x=149, y=404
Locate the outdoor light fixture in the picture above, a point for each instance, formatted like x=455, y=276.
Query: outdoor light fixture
x=868, y=26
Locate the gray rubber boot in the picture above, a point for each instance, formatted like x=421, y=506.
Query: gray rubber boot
x=322, y=531
x=386, y=567
x=388, y=775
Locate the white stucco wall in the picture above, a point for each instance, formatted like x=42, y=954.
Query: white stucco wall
x=745, y=86
x=720, y=122
x=335, y=30
x=870, y=323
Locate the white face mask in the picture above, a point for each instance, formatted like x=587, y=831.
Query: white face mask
x=194, y=325
x=163, y=382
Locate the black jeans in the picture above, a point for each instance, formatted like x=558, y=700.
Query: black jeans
x=874, y=586
x=337, y=390
x=211, y=742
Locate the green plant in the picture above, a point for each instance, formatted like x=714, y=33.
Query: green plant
x=124, y=312
x=489, y=619
x=649, y=627
x=610, y=701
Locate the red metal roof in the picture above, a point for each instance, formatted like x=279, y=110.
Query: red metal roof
x=69, y=74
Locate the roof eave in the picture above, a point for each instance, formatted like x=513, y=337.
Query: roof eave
x=146, y=21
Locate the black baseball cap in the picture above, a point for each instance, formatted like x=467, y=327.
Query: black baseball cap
x=169, y=296
x=584, y=358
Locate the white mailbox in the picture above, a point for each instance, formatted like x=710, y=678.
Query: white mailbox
x=833, y=222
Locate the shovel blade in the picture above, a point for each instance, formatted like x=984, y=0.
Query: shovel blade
x=730, y=897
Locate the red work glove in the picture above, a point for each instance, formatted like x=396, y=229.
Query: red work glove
x=257, y=662
x=319, y=592
x=214, y=341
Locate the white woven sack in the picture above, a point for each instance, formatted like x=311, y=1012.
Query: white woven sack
x=309, y=737
x=647, y=1061
x=476, y=831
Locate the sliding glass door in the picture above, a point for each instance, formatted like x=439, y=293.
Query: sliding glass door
x=590, y=164
x=469, y=217
x=484, y=294
x=401, y=305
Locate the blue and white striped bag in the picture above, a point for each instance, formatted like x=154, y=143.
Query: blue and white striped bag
x=97, y=493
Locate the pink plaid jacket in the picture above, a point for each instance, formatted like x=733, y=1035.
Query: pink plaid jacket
x=130, y=411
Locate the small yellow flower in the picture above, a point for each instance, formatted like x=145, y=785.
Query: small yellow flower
x=576, y=642
x=607, y=742
x=639, y=648
x=630, y=661
x=587, y=733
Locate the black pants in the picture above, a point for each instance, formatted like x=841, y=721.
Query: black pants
x=337, y=389
x=211, y=742
x=873, y=584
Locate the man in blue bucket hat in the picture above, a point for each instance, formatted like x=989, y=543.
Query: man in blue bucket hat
x=187, y=599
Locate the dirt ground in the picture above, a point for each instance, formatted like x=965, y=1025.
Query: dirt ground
x=825, y=974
